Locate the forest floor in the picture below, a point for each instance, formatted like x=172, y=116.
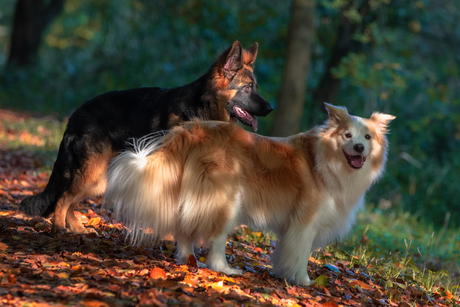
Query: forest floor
x=38, y=268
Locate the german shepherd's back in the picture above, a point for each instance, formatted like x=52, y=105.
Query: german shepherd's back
x=101, y=127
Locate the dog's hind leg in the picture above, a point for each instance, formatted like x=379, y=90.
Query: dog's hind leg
x=184, y=250
x=92, y=181
x=60, y=213
x=72, y=222
x=290, y=258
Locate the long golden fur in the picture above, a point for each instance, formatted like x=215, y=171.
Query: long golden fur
x=203, y=178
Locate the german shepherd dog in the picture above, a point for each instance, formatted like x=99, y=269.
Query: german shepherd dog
x=204, y=178
x=101, y=127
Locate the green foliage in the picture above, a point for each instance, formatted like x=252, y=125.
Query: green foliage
x=399, y=245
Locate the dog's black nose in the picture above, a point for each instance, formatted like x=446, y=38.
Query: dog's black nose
x=269, y=108
x=358, y=148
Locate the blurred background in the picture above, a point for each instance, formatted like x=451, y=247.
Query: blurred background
x=396, y=56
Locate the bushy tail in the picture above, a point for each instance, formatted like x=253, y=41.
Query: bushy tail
x=44, y=203
x=142, y=187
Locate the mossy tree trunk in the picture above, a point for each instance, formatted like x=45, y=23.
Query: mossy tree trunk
x=292, y=96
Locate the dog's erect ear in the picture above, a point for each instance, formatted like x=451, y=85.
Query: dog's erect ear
x=250, y=54
x=337, y=114
x=233, y=61
x=381, y=120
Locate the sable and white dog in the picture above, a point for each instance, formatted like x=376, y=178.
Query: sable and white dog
x=202, y=179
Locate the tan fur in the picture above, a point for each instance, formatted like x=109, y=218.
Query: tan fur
x=174, y=120
x=203, y=178
x=91, y=181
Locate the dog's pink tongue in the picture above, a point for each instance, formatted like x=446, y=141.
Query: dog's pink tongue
x=254, y=123
x=357, y=161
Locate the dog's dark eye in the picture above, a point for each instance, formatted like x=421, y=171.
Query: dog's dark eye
x=348, y=135
x=368, y=137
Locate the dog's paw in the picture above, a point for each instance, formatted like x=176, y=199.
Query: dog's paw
x=83, y=231
x=305, y=281
x=201, y=265
x=230, y=271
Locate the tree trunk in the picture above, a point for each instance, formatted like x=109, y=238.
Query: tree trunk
x=329, y=85
x=31, y=17
x=292, y=97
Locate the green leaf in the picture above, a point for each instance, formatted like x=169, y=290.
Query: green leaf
x=321, y=281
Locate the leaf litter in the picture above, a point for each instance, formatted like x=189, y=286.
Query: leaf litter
x=41, y=269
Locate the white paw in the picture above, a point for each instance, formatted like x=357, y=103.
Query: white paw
x=230, y=271
x=201, y=265
x=304, y=281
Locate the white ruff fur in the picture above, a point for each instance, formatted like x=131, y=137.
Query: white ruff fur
x=203, y=179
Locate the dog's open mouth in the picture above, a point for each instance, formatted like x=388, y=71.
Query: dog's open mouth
x=245, y=117
x=355, y=161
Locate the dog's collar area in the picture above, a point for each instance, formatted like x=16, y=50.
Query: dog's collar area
x=245, y=117
x=355, y=161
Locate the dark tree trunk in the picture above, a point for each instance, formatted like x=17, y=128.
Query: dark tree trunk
x=31, y=17
x=329, y=85
x=291, y=101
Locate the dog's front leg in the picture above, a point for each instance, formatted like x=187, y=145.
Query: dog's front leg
x=184, y=250
x=290, y=258
x=217, y=260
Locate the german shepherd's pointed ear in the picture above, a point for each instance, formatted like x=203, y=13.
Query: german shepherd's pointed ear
x=381, y=120
x=337, y=114
x=233, y=61
x=250, y=54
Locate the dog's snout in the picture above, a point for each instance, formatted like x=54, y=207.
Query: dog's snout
x=358, y=148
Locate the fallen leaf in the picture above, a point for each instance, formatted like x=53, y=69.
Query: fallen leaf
x=321, y=281
x=94, y=221
x=157, y=273
x=192, y=261
x=12, y=279
x=3, y=246
x=143, y=272
x=355, y=282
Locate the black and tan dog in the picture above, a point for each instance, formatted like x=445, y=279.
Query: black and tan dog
x=101, y=127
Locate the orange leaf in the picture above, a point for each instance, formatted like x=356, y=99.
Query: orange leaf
x=24, y=183
x=3, y=246
x=449, y=295
x=143, y=272
x=12, y=279
x=217, y=285
x=157, y=273
x=94, y=221
x=81, y=217
x=326, y=292
x=355, y=282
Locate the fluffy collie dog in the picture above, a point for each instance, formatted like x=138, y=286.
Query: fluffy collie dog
x=202, y=179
